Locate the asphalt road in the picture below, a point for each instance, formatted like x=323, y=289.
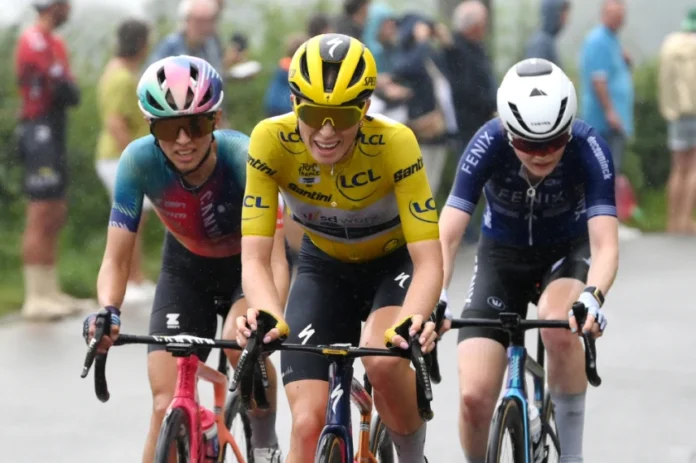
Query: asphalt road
x=643, y=412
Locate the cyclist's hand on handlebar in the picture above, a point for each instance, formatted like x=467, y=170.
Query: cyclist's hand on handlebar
x=276, y=329
x=596, y=321
x=88, y=329
x=396, y=335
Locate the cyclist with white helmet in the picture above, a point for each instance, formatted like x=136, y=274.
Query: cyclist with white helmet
x=549, y=237
x=195, y=177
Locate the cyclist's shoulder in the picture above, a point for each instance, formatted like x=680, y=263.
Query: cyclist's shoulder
x=489, y=142
x=231, y=143
x=141, y=152
x=382, y=139
x=275, y=135
x=586, y=138
x=385, y=129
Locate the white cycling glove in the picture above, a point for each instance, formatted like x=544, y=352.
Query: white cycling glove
x=443, y=300
x=594, y=308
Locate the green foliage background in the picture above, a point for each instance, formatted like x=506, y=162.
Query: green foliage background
x=82, y=242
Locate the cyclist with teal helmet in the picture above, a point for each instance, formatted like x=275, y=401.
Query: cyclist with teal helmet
x=195, y=177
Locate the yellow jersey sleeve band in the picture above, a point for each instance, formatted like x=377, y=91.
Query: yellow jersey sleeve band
x=362, y=208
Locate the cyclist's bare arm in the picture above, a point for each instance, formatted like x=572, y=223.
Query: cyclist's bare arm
x=257, y=274
x=604, y=248
x=115, y=267
x=453, y=223
x=423, y=292
x=279, y=266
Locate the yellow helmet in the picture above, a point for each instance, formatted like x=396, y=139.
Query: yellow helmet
x=333, y=70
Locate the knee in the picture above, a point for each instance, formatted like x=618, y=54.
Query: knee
x=160, y=404
x=476, y=406
x=558, y=341
x=307, y=421
x=384, y=372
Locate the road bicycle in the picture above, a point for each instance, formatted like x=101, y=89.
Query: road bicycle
x=180, y=433
x=336, y=439
x=512, y=413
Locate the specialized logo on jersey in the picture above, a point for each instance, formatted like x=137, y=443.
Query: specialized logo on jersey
x=309, y=173
x=260, y=165
x=313, y=195
x=425, y=211
x=401, y=174
x=358, y=187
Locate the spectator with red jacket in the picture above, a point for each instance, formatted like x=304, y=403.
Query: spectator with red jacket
x=47, y=89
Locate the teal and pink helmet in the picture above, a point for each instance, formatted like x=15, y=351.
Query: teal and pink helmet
x=179, y=86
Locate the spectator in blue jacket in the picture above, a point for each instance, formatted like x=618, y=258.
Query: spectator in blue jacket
x=277, y=98
x=554, y=15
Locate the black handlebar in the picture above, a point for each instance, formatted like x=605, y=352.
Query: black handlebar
x=514, y=325
x=255, y=348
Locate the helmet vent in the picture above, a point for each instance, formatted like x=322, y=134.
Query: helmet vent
x=170, y=100
x=304, y=69
x=161, y=77
x=152, y=102
x=330, y=74
x=359, y=70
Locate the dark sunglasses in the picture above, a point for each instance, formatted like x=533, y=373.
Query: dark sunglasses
x=340, y=117
x=536, y=148
x=195, y=126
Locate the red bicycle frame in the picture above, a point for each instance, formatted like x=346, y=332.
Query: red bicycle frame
x=185, y=397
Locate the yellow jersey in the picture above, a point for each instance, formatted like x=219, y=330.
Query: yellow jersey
x=369, y=204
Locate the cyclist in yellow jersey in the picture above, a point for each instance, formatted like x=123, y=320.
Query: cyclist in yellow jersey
x=357, y=186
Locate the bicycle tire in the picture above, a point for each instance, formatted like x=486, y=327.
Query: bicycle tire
x=548, y=415
x=508, y=417
x=175, y=431
x=233, y=407
x=330, y=449
x=380, y=443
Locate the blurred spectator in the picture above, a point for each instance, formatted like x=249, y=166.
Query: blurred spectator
x=431, y=115
x=554, y=16
x=606, y=81
x=381, y=36
x=352, y=21
x=47, y=89
x=238, y=50
x=122, y=122
x=277, y=98
x=319, y=24
x=677, y=97
x=196, y=37
x=470, y=69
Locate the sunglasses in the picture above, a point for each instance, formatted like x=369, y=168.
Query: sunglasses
x=196, y=126
x=340, y=117
x=542, y=148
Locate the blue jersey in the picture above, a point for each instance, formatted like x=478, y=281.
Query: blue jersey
x=579, y=188
x=207, y=219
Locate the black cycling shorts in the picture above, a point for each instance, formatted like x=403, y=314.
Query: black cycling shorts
x=188, y=291
x=41, y=150
x=507, y=279
x=330, y=299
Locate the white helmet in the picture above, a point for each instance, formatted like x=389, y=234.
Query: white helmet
x=537, y=100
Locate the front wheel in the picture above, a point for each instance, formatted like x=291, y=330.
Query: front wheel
x=174, y=439
x=238, y=424
x=507, y=443
x=331, y=449
x=380, y=443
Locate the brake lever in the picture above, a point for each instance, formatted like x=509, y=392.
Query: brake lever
x=580, y=313
x=102, y=326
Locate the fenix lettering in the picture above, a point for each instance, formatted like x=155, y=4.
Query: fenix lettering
x=260, y=165
x=314, y=195
x=476, y=152
x=601, y=157
x=410, y=170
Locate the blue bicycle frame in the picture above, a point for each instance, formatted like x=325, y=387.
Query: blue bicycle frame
x=516, y=388
x=338, y=416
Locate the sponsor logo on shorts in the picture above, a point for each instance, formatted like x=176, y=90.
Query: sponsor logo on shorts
x=172, y=321
x=495, y=303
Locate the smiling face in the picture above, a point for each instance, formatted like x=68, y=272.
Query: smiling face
x=328, y=144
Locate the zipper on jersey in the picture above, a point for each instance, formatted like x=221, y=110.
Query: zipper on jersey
x=531, y=196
